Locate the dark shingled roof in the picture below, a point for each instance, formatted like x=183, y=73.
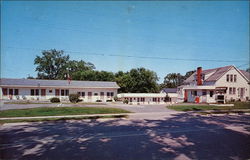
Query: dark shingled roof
x=246, y=74
x=57, y=83
x=218, y=72
x=169, y=90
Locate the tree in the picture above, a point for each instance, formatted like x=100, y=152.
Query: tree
x=138, y=80
x=54, y=64
x=189, y=73
x=248, y=70
x=51, y=65
x=172, y=80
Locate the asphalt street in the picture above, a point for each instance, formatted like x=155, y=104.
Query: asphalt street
x=156, y=137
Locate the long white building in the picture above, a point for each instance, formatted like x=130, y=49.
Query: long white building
x=216, y=85
x=143, y=98
x=35, y=89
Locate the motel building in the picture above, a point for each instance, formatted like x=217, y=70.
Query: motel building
x=217, y=85
x=36, y=89
x=143, y=98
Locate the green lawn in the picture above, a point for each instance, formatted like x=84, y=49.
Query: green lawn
x=237, y=105
x=59, y=111
x=33, y=102
x=60, y=119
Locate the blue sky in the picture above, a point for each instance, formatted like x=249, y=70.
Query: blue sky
x=94, y=31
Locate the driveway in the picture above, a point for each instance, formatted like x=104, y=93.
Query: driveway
x=176, y=136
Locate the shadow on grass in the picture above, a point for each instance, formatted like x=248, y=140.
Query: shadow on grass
x=182, y=136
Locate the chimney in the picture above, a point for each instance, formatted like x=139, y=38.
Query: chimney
x=199, y=76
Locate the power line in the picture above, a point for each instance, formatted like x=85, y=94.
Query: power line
x=141, y=57
x=245, y=64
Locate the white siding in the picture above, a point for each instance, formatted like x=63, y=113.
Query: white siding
x=240, y=83
x=24, y=94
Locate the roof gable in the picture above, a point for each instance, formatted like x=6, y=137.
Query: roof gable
x=217, y=73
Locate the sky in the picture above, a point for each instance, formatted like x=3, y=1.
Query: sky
x=163, y=36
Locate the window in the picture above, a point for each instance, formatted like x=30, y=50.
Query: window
x=16, y=92
x=66, y=92
x=227, y=77
x=5, y=91
x=32, y=92
x=130, y=99
x=57, y=92
x=89, y=94
x=96, y=94
x=211, y=93
x=83, y=94
x=235, y=78
x=143, y=99
x=195, y=93
x=79, y=93
x=231, y=78
x=234, y=90
x=230, y=90
x=108, y=94
x=50, y=91
x=10, y=91
x=138, y=99
x=43, y=92
x=112, y=94
x=62, y=92
x=204, y=93
x=102, y=93
x=154, y=99
x=37, y=92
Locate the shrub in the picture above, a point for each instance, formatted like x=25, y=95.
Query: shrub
x=74, y=98
x=109, y=100
x=98, y=100
x=125, y=101
x=54, y=100
x=115, y=98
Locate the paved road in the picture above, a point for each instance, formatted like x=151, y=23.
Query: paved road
x=166, y=136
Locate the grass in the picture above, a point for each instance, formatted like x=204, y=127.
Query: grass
x=59, y=111
x=26, y=102
x=59, y=119
x=47, y=102
x=237, y=105
x=223, y=112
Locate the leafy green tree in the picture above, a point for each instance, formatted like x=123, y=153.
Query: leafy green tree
x=172, y=80
x=51, y=64
x=138, y=80
x=54, y=64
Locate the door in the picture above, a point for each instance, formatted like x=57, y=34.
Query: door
x=89, y=96
x=57, y=92
x=102, y=96
x=43, y=92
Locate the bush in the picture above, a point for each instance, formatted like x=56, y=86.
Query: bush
x=98, y=100
x=109, y=100
x=125, y=101
x=74, y=98
x=115, y=98
x=54, y=100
